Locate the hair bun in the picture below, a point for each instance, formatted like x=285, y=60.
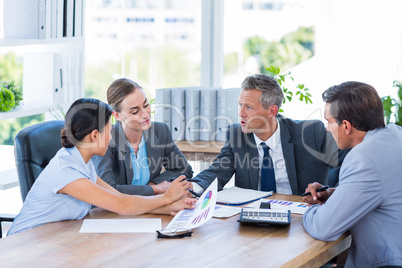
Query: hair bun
x=65, y=142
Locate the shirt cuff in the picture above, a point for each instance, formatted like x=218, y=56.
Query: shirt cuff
x=197, y=188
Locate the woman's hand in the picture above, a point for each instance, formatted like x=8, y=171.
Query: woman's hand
x=178, y=189
x=160, y=188
x=185, y=203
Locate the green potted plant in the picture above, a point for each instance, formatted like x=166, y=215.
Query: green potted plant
x=393, y=106
x=10, y=95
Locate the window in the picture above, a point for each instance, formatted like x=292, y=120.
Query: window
x=155, y=43
x=248, y=6
x=308, y=39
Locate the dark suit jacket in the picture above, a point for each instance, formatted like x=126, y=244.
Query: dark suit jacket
x=116, y=167
x=308, y=150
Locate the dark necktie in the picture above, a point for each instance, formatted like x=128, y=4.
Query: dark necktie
x=267, y=171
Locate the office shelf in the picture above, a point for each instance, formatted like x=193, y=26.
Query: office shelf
x=13, y=42
x=27, y=109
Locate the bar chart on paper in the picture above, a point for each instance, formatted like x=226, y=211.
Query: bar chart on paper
x=192, y=218
x=294, y=207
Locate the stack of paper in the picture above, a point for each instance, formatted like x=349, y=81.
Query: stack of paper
x=225, y=211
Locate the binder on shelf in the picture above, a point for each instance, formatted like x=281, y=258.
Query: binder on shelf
x=42, y=76
x=48, y=20
x=162, y=106
x=77, y=30
x=77, y=76
x=227, y=112
x=58, y=90
x=192, y=114
x=178, y=119
x=208, y=113
x=69, y=94
x=53, y=16
x=68, y=18
x=25, y=19
x=60, y=18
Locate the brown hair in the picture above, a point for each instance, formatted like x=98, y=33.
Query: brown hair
x=84, y=116
x=119, y=90
x=357, y=103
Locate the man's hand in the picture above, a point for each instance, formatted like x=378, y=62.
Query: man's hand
x=317, y=197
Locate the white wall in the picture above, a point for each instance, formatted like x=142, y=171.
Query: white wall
x=358, y=40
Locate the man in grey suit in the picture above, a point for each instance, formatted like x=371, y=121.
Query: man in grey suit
x=368, y=200
x=300, y=151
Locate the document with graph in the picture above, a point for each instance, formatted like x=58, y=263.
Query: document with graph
x=294, y=207
x=203, y=211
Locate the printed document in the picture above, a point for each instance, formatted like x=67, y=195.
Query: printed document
x=225, y=211
x=204, y=208
x=294, y=207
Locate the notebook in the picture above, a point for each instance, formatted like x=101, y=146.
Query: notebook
x=239, y=196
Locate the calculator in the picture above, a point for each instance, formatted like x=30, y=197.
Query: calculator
x=264, y=216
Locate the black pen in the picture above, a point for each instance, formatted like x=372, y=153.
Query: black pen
x=189, y=180
x=194, y=193
x=318, y=190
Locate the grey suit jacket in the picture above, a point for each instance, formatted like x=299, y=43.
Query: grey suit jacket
x=308, y=151
x=367, y=202
x=116, y=167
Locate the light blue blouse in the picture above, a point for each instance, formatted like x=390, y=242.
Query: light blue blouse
x=140, y=164
x=43, y=204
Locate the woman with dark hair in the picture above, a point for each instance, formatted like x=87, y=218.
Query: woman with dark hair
x=69, y=184
x=140, y=149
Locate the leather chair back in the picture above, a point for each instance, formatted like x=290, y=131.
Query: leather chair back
x=34, y=147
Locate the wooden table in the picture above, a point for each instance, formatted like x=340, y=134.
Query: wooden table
x=218, y=243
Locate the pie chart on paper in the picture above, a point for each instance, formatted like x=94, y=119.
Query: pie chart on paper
x=207, y=199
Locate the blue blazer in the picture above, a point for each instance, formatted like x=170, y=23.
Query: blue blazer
x=116, y=167
x=308, y=150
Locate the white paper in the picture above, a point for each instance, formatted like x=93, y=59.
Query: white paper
x=294, y=207
x=225, y=211
x=192, y=218
x=236, y=196
x=121, y=225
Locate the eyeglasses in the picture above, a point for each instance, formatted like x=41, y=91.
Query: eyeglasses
x=179, y=233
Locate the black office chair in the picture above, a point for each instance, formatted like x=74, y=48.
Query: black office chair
x=4, y=217
x=34, y=147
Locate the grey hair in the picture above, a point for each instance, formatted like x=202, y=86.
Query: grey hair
x=272, y=93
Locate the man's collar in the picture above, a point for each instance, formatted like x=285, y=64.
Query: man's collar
x=274, y=141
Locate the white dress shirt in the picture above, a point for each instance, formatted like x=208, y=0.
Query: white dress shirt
x=276, y=153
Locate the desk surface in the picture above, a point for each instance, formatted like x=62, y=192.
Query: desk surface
x=217, y=243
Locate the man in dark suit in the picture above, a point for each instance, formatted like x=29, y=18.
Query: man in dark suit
x=300, y=152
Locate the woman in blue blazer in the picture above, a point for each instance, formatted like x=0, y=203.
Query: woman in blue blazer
x=139, y=148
